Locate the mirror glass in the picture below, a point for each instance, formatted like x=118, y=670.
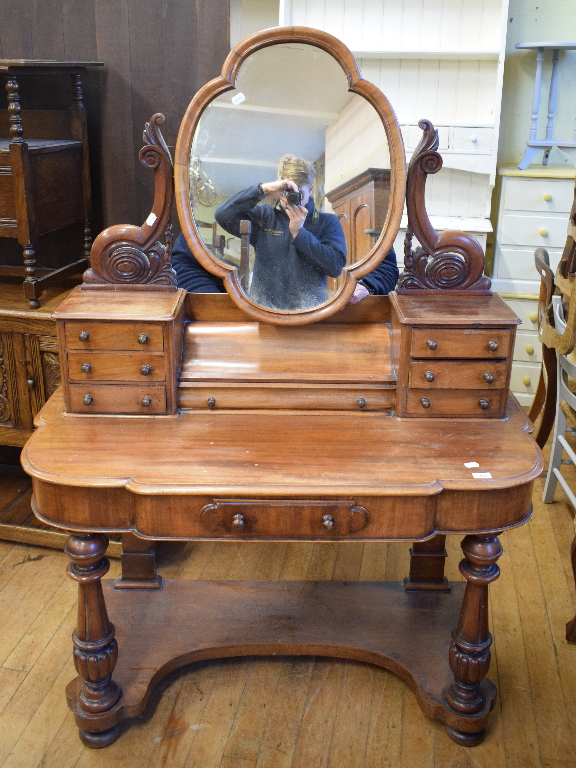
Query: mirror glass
x=290, y=99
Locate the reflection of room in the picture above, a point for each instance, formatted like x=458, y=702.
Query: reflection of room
x=289, y=99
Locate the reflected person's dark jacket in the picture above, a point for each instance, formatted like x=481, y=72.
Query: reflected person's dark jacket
x=194, y=278
x=289, y=272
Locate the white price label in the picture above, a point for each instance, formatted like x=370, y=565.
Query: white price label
x=482, y=475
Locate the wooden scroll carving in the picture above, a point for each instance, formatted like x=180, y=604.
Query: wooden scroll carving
x=446, y=261
x=126, y=256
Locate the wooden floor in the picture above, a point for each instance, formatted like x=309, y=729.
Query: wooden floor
x=299, y=712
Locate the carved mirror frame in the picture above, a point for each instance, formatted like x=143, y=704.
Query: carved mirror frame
x=226, y=82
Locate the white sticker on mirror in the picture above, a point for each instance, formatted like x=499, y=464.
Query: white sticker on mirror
x=470, y=464
x=151, y=219
x=481, y=475
x=238, y=99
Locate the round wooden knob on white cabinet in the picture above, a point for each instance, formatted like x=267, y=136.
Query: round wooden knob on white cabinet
x=547, y=196
x=526, y=381
x=529, y=349
x=533, y=317
x=543, y=232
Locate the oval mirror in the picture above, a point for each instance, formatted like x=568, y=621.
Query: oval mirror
x=290, y=175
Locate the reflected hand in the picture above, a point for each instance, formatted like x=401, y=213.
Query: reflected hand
x=297, y=216
x=360, y=292
x=277, y=188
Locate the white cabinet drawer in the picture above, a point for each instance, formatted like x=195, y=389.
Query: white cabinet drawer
x=527, y=311
x=518, y=264
x=533, y=229
x=531, y=194
x=527, y=347
x=472, y=139
x=412, y=135
x=524, y=377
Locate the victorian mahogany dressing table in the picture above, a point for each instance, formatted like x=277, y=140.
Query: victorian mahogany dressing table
x=211, y=417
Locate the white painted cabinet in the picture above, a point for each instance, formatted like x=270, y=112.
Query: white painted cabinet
x=533, y=211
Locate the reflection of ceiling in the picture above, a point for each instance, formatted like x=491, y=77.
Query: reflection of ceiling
x=292, y=94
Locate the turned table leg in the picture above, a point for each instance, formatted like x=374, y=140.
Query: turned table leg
x=427, y=566
x=95, y=649
x=471, y=641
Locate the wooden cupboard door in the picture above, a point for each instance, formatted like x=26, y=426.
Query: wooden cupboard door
x=10, y=415
x=42, y=369
x=362, y=218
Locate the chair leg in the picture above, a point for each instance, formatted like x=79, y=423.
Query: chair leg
x=550, y=401
x=555, y=457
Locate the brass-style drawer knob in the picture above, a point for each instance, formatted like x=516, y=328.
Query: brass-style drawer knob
x=488, y=378
x=425, y=402
x=431, y=344
x=361, y=402
x=429, y=376
x=492, y=346
x=328, y=522
x=238, y=521
x=87, y=399
x=83, y=335
x=86, y=368
x=142, y=338
x=483, y=404
x=529, y=349
x=533, y=316
x=146, y=370
x=146, y=401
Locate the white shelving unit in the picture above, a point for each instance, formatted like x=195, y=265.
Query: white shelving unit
x=437, y=59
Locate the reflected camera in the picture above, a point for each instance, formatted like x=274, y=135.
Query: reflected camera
x=294, y=198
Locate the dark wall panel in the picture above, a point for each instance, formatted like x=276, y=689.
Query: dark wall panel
x=157, y=53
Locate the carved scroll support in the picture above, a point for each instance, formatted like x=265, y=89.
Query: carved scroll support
x=95, y=701
x=445, y=261
x=469, y=654
x=126, y=256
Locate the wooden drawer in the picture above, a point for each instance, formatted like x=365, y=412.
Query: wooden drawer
x=518, y=263
x=529, y=195
x=113, y=398
x=450, y=402
x=117, y=366
x=527, y=311
x=282, y=520
x=491, y=374
x=472, y=139
x=527, y=347
x=115, y=336
x=528, y=229
x=524, y=377
x=276, y=396
x=459, y=342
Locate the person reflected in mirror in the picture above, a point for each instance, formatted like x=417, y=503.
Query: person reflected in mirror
x=296, y=247
x=196, y=279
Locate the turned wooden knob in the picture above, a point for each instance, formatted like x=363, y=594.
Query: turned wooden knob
x=483, y=404
x=431, y=344
x=328, y=522
x=429, y=376
x=87, y=399
x=492, y=346
x=146, y=370
x=142, y=338
x=84, y=336
x=146, y=401
x=488, y=378
x=238, y=521
x=86, y=368
x=425, y=402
